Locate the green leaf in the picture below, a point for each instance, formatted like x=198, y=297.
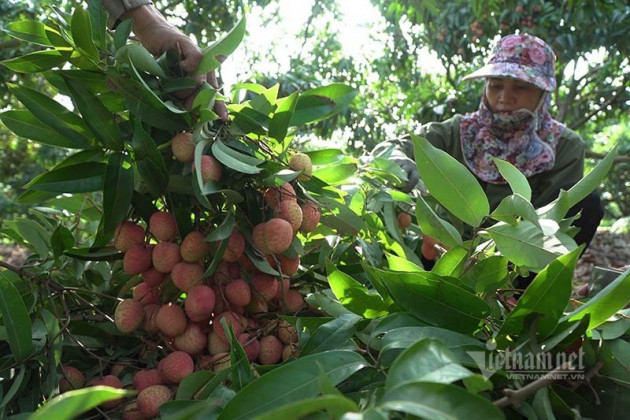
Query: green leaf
x=123, y=30
x=304, y=408
x=326, y=156
x=101, y=121
x=25, y=124
x=34, y=234
x=452, y=262
x=35, y=62
x=95, y=254
x=427, y=360
x=149, y=160
x=15, y=317
x=224, y=230
x=438, y=401
x=82, y=177
x=435, y=301
x=517, y=181
x=141, y=59
x=354, y=296
x=61, y=240
x=82, y=33
x=335, y=174
x=548, y=295
x=72, y=404
x=54, y=115
x=322, y=102
x=522, y=244
x=281, y=119
x=451, y=183
x=331, y=335
x=117, y=191
x=514, y=206
x=30, y=31
x=487, y=274
x=431, y=224
x=616, y=355
x=223, y=46
x=401, y=264
x=294, y=381
x=233, y=159
x=606, y=303
x=343, y=219
x=16, y=386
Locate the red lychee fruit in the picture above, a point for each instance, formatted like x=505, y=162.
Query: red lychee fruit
x=290, y=211
x=287, y=332
x=237, y=292
x=137, y=259
x=310, y=217
x=183, y=147
x=128, y=234
x=235, y=247
x=163, y=226
x=171, y=320
x=270, y=350
x=128, y=316
x=146, y=294
x=150, y=318
x=216, y=344
x=232, y=319
x=72, y=378
x=273, y=237
x=283, y=288
x=246, y=264
x=250, y=344
x=293, y=301
x=165, y=256
x=187, y=275
x=145, y=378
x=211, y=169
x=199, y=303
x=176, y=366
x=152, y=277
x=302, y=162
x=404, y=220
x=151, y=399
x=194, y=247
x=112, y=381
x=192, y=341
x=273, y=196
x=265, y=285
x=288, y=266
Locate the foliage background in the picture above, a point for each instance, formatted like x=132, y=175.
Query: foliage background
x=397, y=91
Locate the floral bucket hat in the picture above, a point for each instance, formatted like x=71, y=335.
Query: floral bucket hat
x=524, y=57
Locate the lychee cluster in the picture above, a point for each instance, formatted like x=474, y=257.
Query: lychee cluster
x=189, y=329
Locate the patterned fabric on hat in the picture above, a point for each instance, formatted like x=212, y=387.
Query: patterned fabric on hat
x=523, y=138
x=524, y=57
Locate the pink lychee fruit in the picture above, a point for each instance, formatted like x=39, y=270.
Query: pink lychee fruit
x=171, y=320
x=199, y=303
x=235, y=247
x=211, y=169
x=265, y=285
x=270, y=350
x=250, y=344
x=137, y=259
x=288, y=266
x=152, y=277
x=232, y=319
x=310, y=217
x=128, y=234
x=290, y=211
x=150, y=318
x=194, y=247
x=183, y=147
x=273, y=196
x=283, y=288
x=163, y=226
x=187, y=275
x=165, y=256
x=72, y=378
x=146, y=294
x=237, y=292
x=192, y=341
x=128, y=316
x=293, y=301
x=273, y=237
x=145, y=378
x=216, y=344
x=176, y=366
x=151, y=399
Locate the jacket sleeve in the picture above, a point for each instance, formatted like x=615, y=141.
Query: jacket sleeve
x=115, y=8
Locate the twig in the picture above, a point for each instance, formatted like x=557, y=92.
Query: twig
x=516, y=397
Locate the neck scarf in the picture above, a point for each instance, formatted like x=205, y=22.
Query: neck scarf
x=523, y=138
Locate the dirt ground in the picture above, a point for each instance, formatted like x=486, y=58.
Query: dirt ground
x=607, y=249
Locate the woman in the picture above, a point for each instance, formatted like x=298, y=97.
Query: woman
x=513, y=123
